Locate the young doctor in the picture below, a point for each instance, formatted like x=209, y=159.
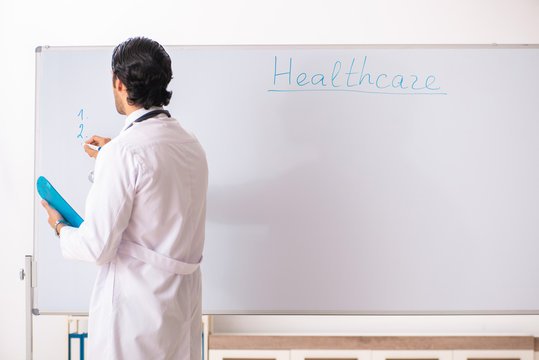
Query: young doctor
x=145, y=217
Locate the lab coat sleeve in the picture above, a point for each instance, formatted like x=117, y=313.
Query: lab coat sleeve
x=108, y=208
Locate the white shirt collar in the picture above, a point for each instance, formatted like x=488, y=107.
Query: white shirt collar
x=138, y=113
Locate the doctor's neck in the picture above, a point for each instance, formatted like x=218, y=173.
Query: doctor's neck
x=125, y=107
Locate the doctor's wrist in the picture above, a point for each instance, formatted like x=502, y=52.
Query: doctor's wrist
x=59, y=225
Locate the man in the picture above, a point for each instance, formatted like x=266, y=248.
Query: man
x=145, y=218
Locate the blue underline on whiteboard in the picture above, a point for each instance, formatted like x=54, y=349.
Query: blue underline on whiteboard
x=359, y=91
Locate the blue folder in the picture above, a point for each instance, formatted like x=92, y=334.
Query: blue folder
x=55, y=200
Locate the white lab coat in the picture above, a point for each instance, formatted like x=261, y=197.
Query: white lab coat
x=148, y=202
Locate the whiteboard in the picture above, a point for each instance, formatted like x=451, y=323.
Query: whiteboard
x=343, y=179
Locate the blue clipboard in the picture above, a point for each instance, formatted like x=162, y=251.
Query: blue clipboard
x=55, y=200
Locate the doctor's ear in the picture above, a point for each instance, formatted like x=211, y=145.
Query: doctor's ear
x=117, y=83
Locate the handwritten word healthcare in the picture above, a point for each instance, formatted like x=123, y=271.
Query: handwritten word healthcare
x=285, y=79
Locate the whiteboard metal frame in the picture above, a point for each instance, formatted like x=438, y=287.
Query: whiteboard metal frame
x=40, y=49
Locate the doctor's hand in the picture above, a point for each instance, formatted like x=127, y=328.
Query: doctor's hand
x=54, y=216
x=96, y=141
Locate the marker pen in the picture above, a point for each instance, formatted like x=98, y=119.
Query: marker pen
x=92, y=146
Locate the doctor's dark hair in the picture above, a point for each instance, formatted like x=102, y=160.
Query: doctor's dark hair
x=144, y=67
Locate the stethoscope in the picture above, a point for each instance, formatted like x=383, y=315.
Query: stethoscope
x=146, y=116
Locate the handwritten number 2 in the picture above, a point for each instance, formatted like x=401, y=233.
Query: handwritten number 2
x=81, y=126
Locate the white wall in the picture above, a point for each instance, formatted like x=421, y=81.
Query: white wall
x=27, y=24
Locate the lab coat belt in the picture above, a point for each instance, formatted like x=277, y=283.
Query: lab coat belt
x=158, y=260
